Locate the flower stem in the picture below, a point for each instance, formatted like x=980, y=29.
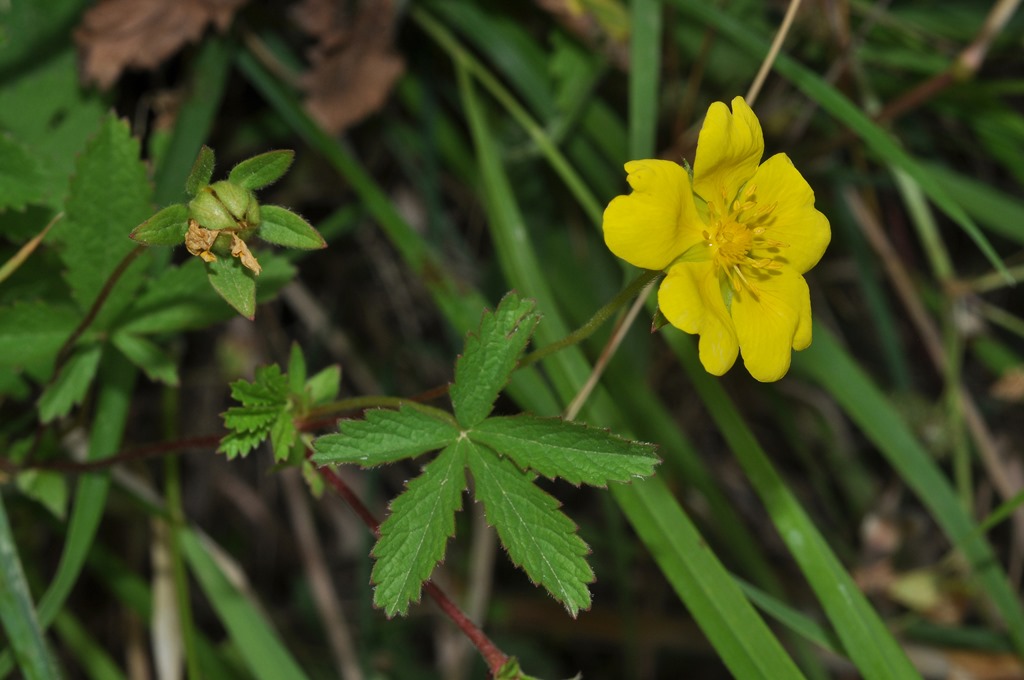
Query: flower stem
x=595, y=322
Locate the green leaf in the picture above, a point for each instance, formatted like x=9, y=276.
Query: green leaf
x=71, y=384
x=48, y=488
x=43, y=106
x=413, y=537
x=490, y=356
x=384, y=437
x=265, y=413
x=166, y=228
x=285, y=228
x=260, y=171
x=234, y=283
x=296, y=371
x=537, y=535
x=21, y=179
x=283, y=435
x=31, y=334
x=573, y=451
x=240, y=443
x=325, y=385
x=109, y=196
x=202, y=171
x=252, y=418
x=179, y=298
x=269, y=386
x=153, y=361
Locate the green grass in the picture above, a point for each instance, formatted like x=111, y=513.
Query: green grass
x=487, y=168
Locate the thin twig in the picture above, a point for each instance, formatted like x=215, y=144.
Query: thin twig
x=606, y=354
x=931, y=338
x=963, y=68
x=97, y=304
x=773, y=52
x=325, y=598
x=595, y=322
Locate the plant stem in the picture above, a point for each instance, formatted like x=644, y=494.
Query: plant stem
x=595, y=322
x=769, y=59
x=493, y=656
x=97, y=304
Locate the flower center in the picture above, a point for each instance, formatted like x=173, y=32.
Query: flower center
x=735, y=233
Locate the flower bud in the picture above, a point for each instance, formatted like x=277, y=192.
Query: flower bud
x=252, y=215
x=233, y=197
x=210, y=212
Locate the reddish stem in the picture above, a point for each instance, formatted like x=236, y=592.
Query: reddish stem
x=493, y=657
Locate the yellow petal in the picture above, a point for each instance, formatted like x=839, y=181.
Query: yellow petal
x=771, y=324
x=794, y=221
x=729, y=148
x=658, y=221
x=691, y=299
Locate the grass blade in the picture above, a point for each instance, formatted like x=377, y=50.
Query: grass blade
x=723, y=612
x=258, y=643
x=826, y=363
x=870, y=644
x=18, y=612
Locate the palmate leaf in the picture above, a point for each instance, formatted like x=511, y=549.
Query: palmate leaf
x=384, y=437
x=236, y=444
x=490, y=356
x=265, y=413
x=282, y=435
x=557, y=448
x=538, y=536
x=269, y=387
x=414, y=536
x=252, y=418
x=109, y=196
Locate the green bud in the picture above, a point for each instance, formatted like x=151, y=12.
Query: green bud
x=235, y=198
x=222, y=246
x=252, y=216
x=210, y=212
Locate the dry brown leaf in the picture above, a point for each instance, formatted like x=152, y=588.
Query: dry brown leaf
x=199, y=240
x=353, y=64
x=1010, y=387
x=119, y=34
x=242, y=252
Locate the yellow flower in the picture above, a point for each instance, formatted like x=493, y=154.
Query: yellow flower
x=735, y=243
